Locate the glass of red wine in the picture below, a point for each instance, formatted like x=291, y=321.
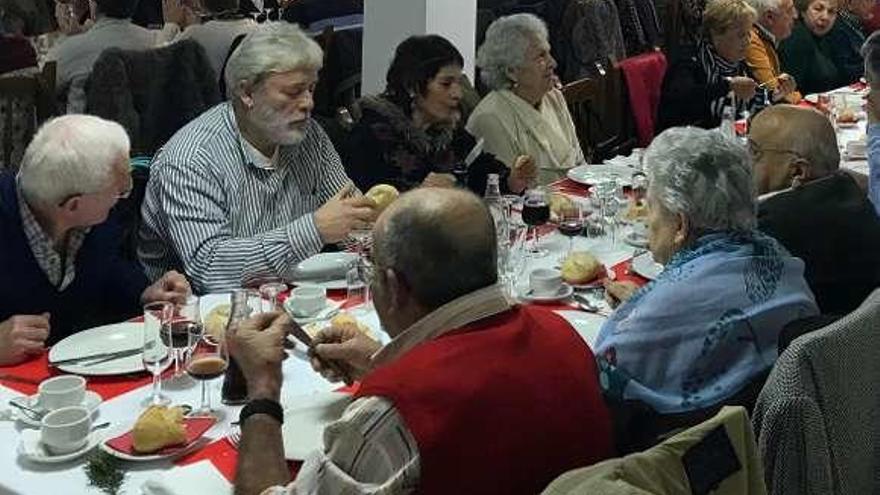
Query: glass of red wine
x=536, y=212
x=571, y=225
x=208, y=359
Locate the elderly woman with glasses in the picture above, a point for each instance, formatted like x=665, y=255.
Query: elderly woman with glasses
x=704, y=79
x=708, y=325
x=524, y=114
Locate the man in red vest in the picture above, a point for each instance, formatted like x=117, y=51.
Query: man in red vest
x=472, y=395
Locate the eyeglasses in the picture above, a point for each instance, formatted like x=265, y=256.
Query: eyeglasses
x=123, y=195
x=756, y=151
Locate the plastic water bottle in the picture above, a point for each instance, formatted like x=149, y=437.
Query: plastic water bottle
x=498, y=210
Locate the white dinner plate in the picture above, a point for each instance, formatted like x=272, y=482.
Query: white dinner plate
x=645, y=266
x=30, y=447
x=587, y=325
x=635, y=239
x=177, y=452
x=107, y=338
x=305, y=418
x=91, y=401
x=592, y=174
x=324, y=266
x=564, y=292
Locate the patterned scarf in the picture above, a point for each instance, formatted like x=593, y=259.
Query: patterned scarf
x=717, y=68
x=706, y=326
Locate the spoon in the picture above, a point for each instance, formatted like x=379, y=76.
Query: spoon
x=33, y=413
x=101, y=426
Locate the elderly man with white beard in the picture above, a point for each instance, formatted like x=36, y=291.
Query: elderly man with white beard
x=253, y=186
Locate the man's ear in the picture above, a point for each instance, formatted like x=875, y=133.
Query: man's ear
x=246, y=94
x=800, y=172
x=397, y=290
x=71, y=205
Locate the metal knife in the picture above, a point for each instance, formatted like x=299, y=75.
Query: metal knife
x=293, y=328
x=101, y=357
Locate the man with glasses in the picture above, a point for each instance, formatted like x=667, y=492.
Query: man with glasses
x=817, y=211
x=774, y=24
x=61, y=258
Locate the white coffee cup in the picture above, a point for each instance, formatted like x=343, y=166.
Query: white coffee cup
x=66, y=430
x=61, y=391
x=308, y=300
x=545, y=282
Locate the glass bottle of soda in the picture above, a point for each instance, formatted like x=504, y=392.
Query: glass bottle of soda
x=234, y=385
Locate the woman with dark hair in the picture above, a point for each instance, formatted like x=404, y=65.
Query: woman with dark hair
x=410, y=134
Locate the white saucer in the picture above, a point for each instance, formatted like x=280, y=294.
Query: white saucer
x=91, y=402
x=30, y=447
x=564, y=292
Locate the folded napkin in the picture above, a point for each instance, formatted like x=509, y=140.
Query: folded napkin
x=195, y=428
x=192, y=479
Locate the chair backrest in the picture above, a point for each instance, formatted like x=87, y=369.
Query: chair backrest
x=25, y=102
x=600, y=110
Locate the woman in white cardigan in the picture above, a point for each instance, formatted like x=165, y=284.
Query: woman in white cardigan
x=524, y=114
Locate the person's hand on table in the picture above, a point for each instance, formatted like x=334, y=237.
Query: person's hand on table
x=22, y=336
x=787, y=85
x=439, y=180
x=258, y=347
x=522, y=175
x=347, y=348
x=341, y=214
x=618, y=292
x=743, y=87
x=172, y=287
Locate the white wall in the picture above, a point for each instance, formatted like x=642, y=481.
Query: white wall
x=388, y=22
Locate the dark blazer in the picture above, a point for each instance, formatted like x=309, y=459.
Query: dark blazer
x=830, y=224
x=106, y=288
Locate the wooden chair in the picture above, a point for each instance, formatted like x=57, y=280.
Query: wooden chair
x=25, y=103
x=599, y=108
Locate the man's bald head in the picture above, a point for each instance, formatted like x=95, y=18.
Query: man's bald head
x=786, y=135
x=440, y=241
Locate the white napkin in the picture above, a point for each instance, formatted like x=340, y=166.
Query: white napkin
x=191, y=479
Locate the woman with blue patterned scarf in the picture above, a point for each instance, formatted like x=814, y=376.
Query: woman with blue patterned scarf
x=709, y=323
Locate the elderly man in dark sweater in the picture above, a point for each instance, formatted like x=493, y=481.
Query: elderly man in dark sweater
x=818, y=212
x=60, y=256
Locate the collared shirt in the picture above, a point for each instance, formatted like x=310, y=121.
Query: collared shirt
x=370, y=450
x=766, y=34
x=58, y=267
x=211, y=212
x=77, y=54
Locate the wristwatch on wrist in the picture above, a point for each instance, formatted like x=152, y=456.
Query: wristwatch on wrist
x=261, y=406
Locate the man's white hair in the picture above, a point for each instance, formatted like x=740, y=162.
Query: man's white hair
x=273, y=47
x=505, y=47
x=73, y=154
x=764, y=6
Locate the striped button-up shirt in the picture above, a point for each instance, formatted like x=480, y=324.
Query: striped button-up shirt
x=226, y=220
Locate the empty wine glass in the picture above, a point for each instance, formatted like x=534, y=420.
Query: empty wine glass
x=208, y=359
x=536, y=212
x=156, y=354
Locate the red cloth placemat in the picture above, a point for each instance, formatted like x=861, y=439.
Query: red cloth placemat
x=38, y=369
x=195, y=428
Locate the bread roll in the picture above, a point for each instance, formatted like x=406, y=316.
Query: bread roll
x=383, y=195
x=636, y=210
x=342, y=320
x=580, y=267
x=215, y=322
x=158, y=427
x=560, y=206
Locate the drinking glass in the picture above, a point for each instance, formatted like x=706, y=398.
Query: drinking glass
x=571, y=225
x=270, y=296
x=208, y=359
x=513, y=264
x=357, y=286
x=188, y=315
x=156, y=354
x=536, y=212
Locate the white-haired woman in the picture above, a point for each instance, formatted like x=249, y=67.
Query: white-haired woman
x=709, y=323
x=524, y=114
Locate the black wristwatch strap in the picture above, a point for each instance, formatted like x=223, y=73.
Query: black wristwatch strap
x=261, y=406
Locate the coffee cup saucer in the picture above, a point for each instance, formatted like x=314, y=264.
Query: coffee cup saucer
x=31, y=448
x=91, y=401
x=565, y=291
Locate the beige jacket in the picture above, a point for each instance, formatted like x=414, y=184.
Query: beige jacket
x=661, y=470
x=512, y=127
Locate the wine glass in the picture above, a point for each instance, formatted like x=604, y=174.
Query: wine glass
x=156, y=354
x=536, y=212
x=188, y=315
x=270, y=293
x=208, y=359
x=571, y=225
